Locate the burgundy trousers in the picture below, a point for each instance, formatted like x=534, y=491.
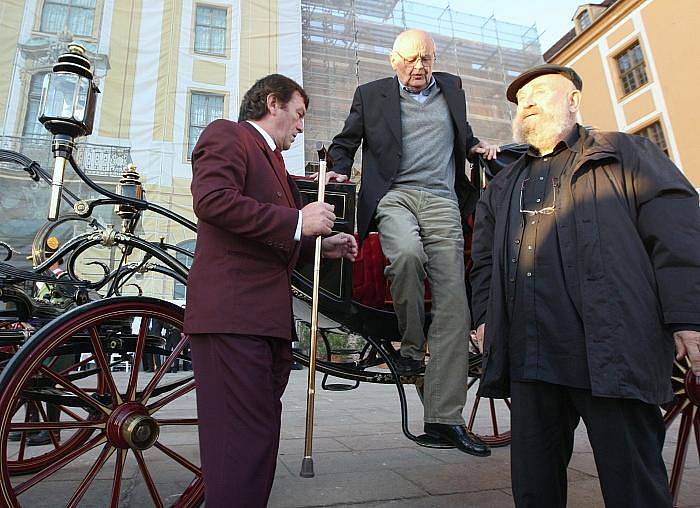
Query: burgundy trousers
x=240, y=381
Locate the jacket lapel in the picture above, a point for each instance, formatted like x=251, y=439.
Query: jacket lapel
x=274, y=163
x=391, y=109
x=454, y=97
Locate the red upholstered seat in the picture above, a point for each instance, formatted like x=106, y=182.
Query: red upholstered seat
x=369, y=287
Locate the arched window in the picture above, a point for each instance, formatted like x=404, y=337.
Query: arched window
x=180, y=290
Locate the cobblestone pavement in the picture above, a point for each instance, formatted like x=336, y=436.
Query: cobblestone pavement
x=360, y=458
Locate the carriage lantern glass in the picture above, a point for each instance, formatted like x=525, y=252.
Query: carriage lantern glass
x=67, y=110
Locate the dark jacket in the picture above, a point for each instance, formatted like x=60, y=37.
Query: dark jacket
x=628, y=224
x=375, y=120
x=247, y=211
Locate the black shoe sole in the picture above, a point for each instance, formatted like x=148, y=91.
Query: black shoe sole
x=445, y=440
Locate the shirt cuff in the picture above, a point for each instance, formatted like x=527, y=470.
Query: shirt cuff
x=297, y=233
x=682, y=327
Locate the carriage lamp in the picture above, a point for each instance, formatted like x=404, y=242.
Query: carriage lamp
x=67, y=110
x=129, y=186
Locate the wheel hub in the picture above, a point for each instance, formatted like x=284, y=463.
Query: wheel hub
x=130, y=426
x=692, y=387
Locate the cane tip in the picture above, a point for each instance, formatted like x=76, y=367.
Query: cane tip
x=307, y=468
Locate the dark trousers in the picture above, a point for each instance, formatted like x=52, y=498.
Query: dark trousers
x=240, y=381
x=626, y=436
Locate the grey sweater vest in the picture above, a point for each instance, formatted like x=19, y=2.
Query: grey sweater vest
x=428, y=161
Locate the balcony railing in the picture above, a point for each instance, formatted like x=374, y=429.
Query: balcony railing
x=96, y=160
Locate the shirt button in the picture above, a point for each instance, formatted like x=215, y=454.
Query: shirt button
x=512, y=279
x=542, y=177
x=533, y=222
x=538, y=200
x=517, y=242
x=529, y=247
x=513, y=260
x=529, y=274
x=279, y=194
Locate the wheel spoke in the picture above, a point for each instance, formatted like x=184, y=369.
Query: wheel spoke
x=138, y=354
x=679, y=456
x=494, y=421
x=177, y=421
x=36, y=426
x=117, y=478
x=672, y=413
x=70, y=413
x=87, y=481
x=23, y=439
x=76, y=366
x=147, y=477
x=507, y=401
x=169, y=398
x=72, y=387
x=60, y=463
x=54, y=441
x=146, y=393
x=178, y=458
x=472, y=416
x=101, y=360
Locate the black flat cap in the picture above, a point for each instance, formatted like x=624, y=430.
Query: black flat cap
x=541, y=70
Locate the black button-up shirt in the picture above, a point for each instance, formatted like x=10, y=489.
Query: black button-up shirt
x=547, y=340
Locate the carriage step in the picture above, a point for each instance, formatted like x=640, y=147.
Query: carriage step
x=339, y=387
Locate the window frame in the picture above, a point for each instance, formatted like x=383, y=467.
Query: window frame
x=27, y=100
x=96, y=20
x=633, y=71
x=188, y=125
x=227, y=29
x=185, y=260
x=584, y=15
x=651, y=125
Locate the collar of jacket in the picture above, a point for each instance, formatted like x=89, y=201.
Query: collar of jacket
x=594, y=145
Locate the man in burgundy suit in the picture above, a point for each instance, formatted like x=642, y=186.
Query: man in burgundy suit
x=251, y=233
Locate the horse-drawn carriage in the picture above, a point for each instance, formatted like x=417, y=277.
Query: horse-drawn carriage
x=58, y=362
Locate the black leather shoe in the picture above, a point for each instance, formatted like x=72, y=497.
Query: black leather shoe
x=459, y=436
x=409, y=366
x=42, y=438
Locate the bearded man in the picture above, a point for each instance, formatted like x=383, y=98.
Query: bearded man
x=586, y=267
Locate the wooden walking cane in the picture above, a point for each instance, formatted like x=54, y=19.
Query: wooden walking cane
x=307, y=463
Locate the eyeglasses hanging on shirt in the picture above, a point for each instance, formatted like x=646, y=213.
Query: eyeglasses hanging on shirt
x=547, y=210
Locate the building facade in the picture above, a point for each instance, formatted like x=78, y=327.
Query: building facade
x=636, y=60
x=167, y=68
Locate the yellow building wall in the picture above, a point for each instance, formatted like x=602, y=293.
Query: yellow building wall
x=639, y=107
x=596, y=106
x=120, y=81
x=212, y=73
x=258, y=56
x=11, y=12
x=617, y=35
x=167, y=71
x=671, y=27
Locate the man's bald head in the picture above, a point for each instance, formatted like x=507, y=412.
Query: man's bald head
x=412, y=58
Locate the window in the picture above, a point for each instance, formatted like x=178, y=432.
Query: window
x=73, y=16
x=655, y=133
x=584, y=20
x=633, y=72
x=210, y=30
x=204, y=109
x=180, y=290
x=32, y=126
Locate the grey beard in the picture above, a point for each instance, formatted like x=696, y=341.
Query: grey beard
x=544, y=134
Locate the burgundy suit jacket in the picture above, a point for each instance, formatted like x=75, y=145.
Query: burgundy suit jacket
x=247, y=211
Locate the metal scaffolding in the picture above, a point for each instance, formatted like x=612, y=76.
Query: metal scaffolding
x=347, y=43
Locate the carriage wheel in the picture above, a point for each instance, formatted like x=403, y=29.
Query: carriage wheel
x=686, y=405
x=121, y=426
x=488, y=418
